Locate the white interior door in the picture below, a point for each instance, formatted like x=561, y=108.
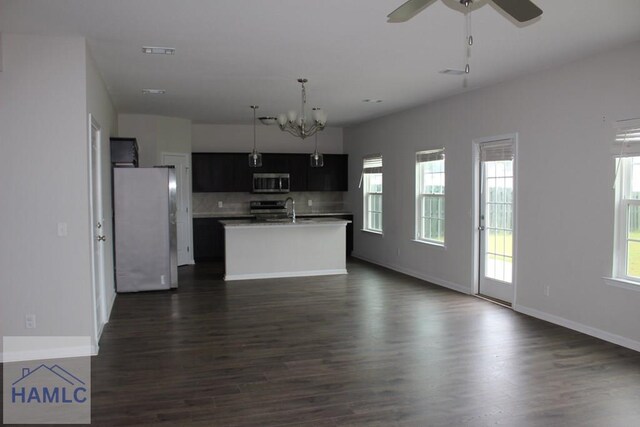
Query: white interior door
x=97, y=228
x=182, y=164
x=496, y=220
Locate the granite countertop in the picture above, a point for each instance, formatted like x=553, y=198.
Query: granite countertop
x=246, y=222
x=249, y=216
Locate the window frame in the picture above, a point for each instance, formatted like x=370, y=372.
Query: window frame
x=623, y=202
x=367, y=195
x=421, y=197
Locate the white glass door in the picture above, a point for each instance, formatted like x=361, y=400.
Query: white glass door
x=496, y=220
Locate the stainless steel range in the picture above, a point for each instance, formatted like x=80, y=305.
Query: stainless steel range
x=268, y=209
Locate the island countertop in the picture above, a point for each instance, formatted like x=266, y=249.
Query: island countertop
x=288, y=222
x=249, y=216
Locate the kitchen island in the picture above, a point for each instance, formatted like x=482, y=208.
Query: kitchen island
x=284, y=248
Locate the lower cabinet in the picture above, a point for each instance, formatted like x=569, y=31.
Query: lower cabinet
x=208, y=237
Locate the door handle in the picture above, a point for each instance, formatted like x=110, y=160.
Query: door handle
x=102, y=238
x=481, y=228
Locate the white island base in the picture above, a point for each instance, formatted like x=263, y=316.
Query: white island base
x=255, y=250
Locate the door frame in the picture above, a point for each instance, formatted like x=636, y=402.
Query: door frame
x=94, y=211
x=187, y=156
x=475, y=279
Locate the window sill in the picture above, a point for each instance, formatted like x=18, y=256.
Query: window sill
x=622, y=283
x=425, y=242
x=379, y=233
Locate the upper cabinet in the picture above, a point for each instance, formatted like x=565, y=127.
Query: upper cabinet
x=230, y=172
x=220, y=172
x=333, y=176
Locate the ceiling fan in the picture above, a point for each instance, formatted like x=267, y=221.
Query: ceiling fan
x=520, y=10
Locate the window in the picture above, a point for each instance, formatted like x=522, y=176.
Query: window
x=627, y=248
x=430, y=180
x=372, y=193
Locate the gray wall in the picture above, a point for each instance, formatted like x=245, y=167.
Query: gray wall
x=269, y=139
x=44, y=181
x=155, y=135
x=565, y=172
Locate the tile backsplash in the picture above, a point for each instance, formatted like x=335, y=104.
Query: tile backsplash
x=238, y=203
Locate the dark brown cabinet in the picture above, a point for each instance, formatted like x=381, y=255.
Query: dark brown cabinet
x=208, y=239
x=293, y=164
x=230, y=172
x=220, y=172
x=333, y=176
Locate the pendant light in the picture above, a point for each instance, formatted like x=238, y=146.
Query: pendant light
x=255, y=158
x=316, y=159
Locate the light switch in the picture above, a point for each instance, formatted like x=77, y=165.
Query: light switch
x=62, y=229
x=310, y=202
x=220, y=203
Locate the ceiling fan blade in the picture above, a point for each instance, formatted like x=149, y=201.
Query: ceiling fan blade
x=521, y=10
x=408, y=10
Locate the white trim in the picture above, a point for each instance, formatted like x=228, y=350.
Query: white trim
x=429, y=243
x=282, y=274
x=379, y=233
x=417, y=274
x=55, y=353
x=594, y=332
x=97, y=328
x=622, y=283
x=626, y=124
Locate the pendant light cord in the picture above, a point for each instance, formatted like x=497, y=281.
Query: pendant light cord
x=468, y=37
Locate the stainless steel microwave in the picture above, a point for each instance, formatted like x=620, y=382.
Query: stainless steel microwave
x=271, y=183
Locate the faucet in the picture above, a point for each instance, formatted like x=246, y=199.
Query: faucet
x=293, y=208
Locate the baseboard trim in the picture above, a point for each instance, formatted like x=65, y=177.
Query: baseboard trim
x=54, y=353
x=417, y=274
x=576, y=326
x=111, y=304
x=283, y=274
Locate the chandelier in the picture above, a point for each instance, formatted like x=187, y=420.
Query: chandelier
x=299, y=124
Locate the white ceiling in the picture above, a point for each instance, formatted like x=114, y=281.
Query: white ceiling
x=234, y=53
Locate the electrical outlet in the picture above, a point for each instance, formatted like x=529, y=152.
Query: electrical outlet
x=546, y=290
x=62, y=229
x=310, y=202
x=162, y=280
x=220, y=204
x=30, y=321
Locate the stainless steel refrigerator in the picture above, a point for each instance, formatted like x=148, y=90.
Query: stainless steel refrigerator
x=144, y=206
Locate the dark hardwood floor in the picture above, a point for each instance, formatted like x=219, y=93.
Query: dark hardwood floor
x=371, y=348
